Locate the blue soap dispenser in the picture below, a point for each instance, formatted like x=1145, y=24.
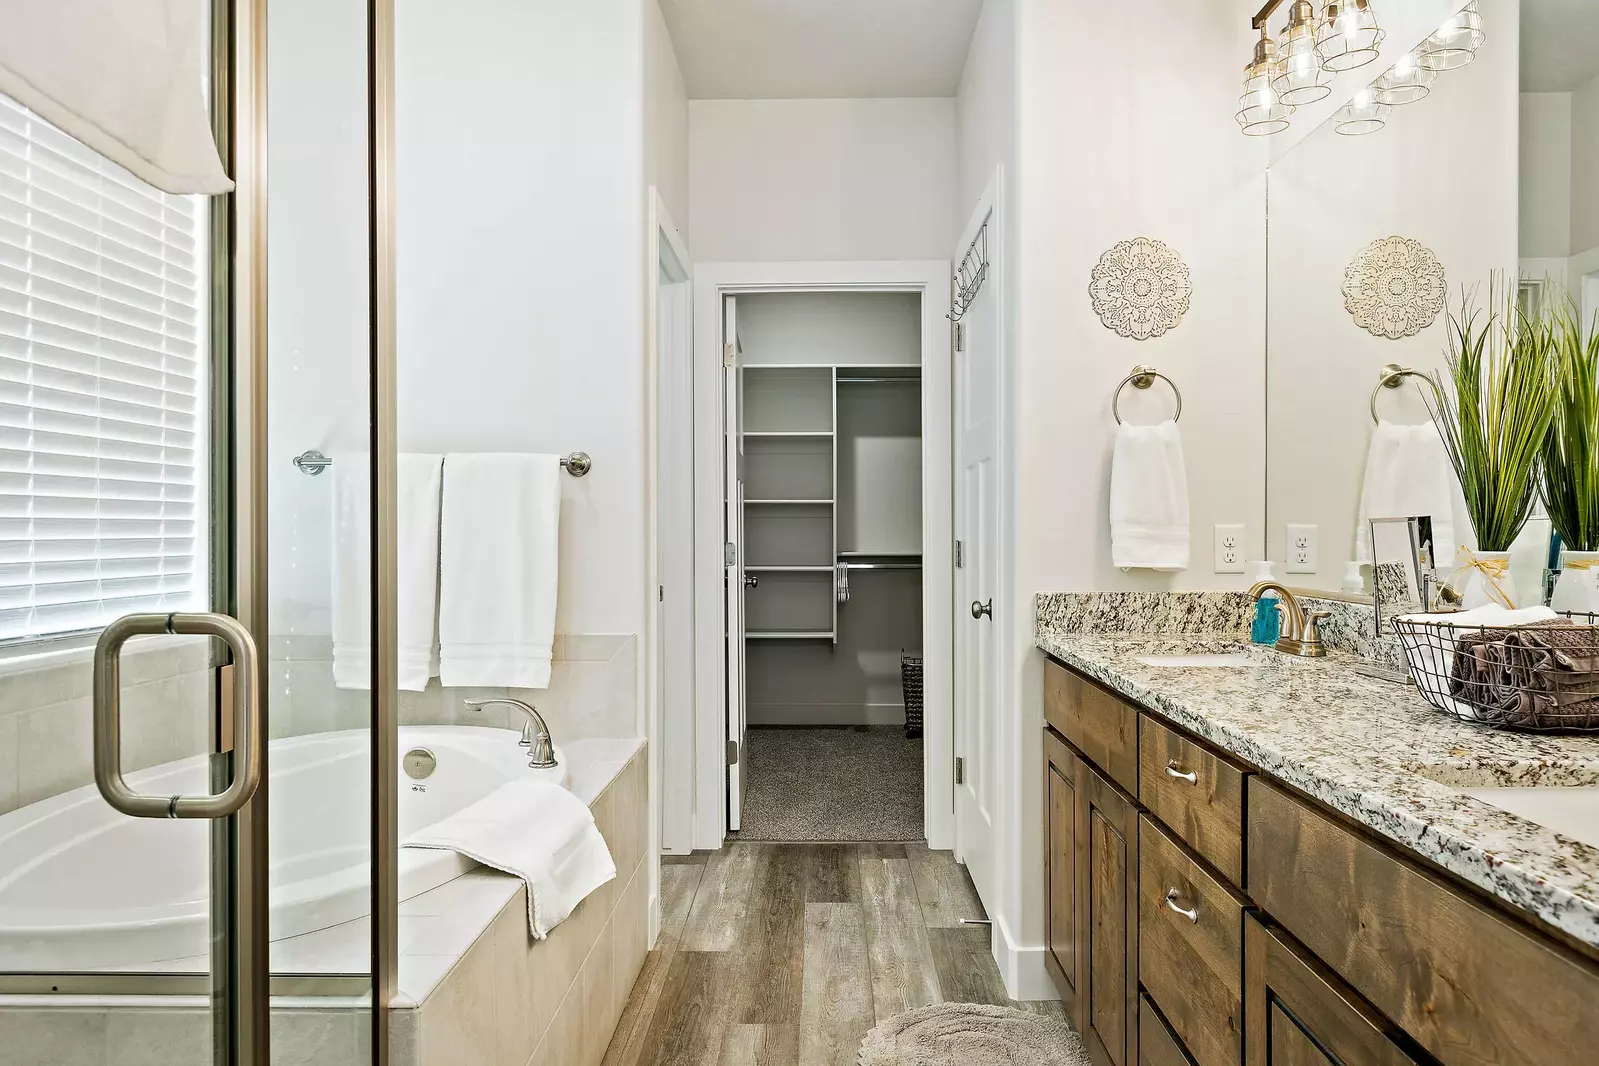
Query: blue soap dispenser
x=1267, y=625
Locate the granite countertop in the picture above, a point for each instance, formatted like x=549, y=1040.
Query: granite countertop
x=1371, y=749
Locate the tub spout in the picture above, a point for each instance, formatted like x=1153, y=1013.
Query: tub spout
x=535, y=734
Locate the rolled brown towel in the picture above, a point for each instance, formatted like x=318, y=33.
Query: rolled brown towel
x=1542, y=676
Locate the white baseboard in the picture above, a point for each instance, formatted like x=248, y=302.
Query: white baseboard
x=805, y=714
x=1022, y=968
x=655, y=921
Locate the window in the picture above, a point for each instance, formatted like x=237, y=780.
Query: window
x=103, y=413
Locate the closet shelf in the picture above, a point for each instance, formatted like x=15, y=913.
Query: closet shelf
x=788, y=433
x=879, y=555
x=789, y=569
x=788, y=503
x=803, y=634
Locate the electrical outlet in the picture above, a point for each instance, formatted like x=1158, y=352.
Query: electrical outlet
x=1229, y=549
x=1301, y=552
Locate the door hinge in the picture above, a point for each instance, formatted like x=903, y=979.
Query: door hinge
x=660, y=593
x=960, y=555
x=729, y=357
x=732, y=753
x=960, y=336
x=960, y=770
x=729, y=553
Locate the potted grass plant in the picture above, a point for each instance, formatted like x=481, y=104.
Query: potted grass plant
x=1571, y=459
x=1494, y=411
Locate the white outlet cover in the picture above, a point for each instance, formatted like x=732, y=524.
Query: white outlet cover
x=1300, y=549
x=1229, y=549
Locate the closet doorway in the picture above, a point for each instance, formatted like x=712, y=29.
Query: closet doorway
x=827, y=387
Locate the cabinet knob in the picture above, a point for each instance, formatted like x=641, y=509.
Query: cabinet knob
x=981, y=610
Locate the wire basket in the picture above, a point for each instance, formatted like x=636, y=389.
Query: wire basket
x=1541, y=678
x=910, y=679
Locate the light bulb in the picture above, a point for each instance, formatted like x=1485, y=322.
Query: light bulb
x=1455, y=43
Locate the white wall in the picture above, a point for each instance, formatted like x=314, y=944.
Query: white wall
x=985, y=107
x=812, y=180
x=520, y=161
x=1546, y=176
x=1444, y=172
x=665, y=117
x=1104, y=156
x=1585, y=168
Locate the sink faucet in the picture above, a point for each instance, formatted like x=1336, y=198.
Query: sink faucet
x=1301, y=633
x=535, y=734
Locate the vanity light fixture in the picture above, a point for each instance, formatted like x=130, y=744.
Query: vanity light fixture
x=1362, y=115
x=1406, y=82
x=1348, y=36
x=1301, y=78
x=1455, y=43
x=1261, y=111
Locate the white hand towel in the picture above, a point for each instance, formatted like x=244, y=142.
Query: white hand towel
x=1408, y=473
x=125, y=77
x=498, y=567
x=537, y=831
x=1149, y=498
x=417, y=560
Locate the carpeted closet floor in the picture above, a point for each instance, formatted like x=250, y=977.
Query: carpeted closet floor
x=824, y=784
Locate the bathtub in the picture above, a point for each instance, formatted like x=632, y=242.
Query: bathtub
x=84, y=888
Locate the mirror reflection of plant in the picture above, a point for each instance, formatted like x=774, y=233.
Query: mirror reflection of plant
x=1571, y=448
x=1494, y=410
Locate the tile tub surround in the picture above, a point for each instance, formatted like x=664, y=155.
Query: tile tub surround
x=1375, y=751
x=475, y=987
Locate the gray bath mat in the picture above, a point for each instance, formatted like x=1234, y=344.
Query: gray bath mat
x=971, y=1034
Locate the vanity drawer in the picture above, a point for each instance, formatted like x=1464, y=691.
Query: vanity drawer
x=1190, y=948
x=1156, y=1044
x=1098, y=724
x=1196, y=793
x=1470, y=986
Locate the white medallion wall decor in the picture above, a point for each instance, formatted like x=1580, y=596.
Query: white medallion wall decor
x=1140, y=289
x=1394, y=287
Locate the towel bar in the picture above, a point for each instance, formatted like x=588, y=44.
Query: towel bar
x=314, y=462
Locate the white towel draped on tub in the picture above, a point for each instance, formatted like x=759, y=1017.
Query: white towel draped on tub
x=417, y=551
x=1149, y=498
x=537, y=831
x=498, y=567
x=1408, y=473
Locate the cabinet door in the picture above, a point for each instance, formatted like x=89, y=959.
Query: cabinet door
x=1107, y=884
x=1062, y=797
x=1299, y=1014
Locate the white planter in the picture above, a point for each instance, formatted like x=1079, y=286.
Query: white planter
x=1578, y=587
x=1491, y=582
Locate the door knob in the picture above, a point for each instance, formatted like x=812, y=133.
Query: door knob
x=979, y=610
x=752, y=580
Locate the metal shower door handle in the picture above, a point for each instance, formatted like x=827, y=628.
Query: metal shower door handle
x=982, y=610
x=108, y=716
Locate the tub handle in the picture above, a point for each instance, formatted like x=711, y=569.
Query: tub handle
x=108, y=716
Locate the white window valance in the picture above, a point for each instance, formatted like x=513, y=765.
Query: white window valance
x=125, y=77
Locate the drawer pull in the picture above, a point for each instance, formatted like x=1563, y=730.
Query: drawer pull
x=1172, y=904
x=1173, y=770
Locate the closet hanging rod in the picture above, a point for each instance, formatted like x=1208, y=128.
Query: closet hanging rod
x=314, y=462
x=881, y=566
x=879, y=381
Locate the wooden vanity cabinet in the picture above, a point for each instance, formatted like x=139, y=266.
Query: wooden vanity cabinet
x=1063, y=777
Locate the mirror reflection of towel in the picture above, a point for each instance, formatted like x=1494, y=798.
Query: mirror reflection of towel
x=1407, y=474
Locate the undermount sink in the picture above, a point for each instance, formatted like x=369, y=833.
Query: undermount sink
x=1206, y=659
x=1571, y=811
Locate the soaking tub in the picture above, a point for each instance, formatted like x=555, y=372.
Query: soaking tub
x=83, y=887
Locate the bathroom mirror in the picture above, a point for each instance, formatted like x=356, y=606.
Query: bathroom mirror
x=1377, y=225
x=1399, y=550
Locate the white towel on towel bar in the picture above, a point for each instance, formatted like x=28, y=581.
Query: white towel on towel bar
x=417, y=480
x=1149, y=498
x=1408, y=473
x=498, y=567
x=537, y=831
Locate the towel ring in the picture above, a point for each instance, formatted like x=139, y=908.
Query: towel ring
x=1393, y=375
x=1143, y=377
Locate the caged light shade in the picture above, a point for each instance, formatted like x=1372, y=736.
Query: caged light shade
x=1362, y=115
x=1261, y=111
x=1301, y=79
x=1455, y=43
x=1348, y=35
x=1406, y=82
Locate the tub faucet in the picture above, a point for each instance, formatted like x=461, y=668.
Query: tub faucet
x=535, y=734
x=1301, y=633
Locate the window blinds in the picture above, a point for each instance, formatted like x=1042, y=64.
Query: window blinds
x=102, y=331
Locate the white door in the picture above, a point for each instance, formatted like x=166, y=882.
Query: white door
x=733, y=465
x=976, y=581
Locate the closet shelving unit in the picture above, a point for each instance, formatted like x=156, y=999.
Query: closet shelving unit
x=805, y=497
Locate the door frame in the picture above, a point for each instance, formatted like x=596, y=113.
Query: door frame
x=707, y=778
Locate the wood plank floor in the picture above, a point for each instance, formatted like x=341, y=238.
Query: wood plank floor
x=787, y=954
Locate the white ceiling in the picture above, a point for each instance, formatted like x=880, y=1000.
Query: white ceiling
x=820, y=49
x=1559, y=44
